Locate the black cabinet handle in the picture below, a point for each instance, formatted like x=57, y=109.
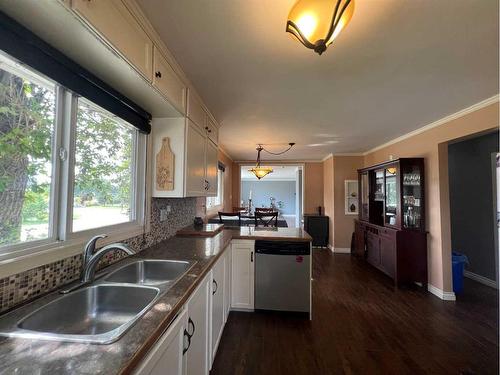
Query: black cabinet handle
x=191, y=323
x=158, y=74
x=251, y=256
x=186, y=334
x=216, y=286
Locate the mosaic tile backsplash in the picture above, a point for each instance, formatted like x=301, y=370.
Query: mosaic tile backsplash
x=24, y=286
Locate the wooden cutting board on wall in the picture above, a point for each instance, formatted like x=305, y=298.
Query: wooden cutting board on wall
x=165, y=167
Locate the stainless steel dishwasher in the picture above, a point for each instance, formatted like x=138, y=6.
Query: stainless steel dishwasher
x=283, y=276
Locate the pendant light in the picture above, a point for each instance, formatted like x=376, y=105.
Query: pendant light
x=260, y=171
x=316, y=23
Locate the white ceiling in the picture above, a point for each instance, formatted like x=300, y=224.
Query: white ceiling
x=280, y=172
x=399, y=65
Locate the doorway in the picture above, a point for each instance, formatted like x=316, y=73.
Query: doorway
x=472, y=182
x=282, y=189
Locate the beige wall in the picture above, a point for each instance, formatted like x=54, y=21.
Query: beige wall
x=432, y=145
x=313, y=187
x=328, y=195
x=345, y=168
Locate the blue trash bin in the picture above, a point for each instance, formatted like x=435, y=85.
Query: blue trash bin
x=458, y=263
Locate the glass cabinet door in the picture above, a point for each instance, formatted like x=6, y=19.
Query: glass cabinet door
x=391, y=196
x=379, y=185
x=412, y=197
x=365, y=196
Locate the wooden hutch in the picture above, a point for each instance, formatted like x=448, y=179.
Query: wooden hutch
x=390, y=233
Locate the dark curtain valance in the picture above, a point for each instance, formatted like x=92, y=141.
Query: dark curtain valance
x=29, y=49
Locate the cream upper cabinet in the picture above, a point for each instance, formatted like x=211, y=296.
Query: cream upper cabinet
x=211, y=168
x=113, y=21
x=195, y=161
x=212, y=130
x=168, y=83
x=195, y=110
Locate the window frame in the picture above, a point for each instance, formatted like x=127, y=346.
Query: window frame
x=220, y=188
x=61, y=241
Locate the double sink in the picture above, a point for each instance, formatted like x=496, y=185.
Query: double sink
x=102, y=312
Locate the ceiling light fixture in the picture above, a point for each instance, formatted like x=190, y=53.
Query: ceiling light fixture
x=316, y=23
x=260, y=171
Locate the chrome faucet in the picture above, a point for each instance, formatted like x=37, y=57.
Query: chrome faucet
x=90, y=260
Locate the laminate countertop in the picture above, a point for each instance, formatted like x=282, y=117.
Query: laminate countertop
x=29, y=356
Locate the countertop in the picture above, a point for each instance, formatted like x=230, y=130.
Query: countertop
x=205, y=230
x=26, y=356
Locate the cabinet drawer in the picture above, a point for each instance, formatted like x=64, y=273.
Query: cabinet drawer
x=168, y=83
x=195, y=110
x=113, y=21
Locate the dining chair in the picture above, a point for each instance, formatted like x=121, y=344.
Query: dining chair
x=264, y=209
x=266, y=219
x=230, y=216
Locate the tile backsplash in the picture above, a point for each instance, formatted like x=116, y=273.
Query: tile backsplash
x=29, y=284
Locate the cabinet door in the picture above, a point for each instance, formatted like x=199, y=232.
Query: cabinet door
x=168, y=83
x=195, y=110
x=359, y=240
x=195, y=161
x=242, y=275
x=212, y=131
x=388, y=255
x=211, y=168
x=218, y=276
x=197, y=356
x=118, y=26
x=166, y=357
x=373, y=248
x=227, y=284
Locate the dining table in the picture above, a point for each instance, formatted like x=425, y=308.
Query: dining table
x=247, y=219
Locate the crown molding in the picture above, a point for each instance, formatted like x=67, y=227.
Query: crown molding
x=330, y=155
x=475, y=107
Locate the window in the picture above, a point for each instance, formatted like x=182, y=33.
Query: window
x=104, y=160
x=67, y=167
x=213, y=202
x=27, y=113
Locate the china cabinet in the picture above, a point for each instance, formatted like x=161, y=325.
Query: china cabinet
x=390, y=232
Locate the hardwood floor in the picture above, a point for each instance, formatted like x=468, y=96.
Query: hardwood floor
x=363, y=325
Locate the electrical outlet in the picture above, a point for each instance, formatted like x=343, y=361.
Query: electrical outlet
x=163, y=214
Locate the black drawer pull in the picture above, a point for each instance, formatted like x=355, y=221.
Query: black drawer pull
x=216, y=287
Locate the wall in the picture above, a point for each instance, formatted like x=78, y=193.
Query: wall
x=345, y=168
x=328, y=196
x=313, y=187
x=30, y=284
x=471, y=202
x=264, y=189
x=227, y=201
x=432, y=145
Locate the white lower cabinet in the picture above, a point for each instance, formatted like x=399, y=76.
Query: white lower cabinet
x=218, y=314
x=189, y=345
x=166, y=357
x=198, y=327
x=242, y=274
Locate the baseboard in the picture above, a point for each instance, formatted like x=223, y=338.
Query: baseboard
x=342, y=250
x=445, y=296
x=481, y=279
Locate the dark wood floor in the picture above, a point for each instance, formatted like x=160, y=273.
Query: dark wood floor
x=362, y=325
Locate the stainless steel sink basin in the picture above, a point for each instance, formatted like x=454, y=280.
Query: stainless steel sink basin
x=149, y=272
x=96, y=314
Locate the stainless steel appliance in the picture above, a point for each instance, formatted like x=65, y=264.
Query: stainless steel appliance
x=283, y=276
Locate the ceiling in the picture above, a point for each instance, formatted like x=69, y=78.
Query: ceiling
x=280, y=172
x=399, y=65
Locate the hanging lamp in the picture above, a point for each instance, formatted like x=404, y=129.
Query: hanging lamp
x=316, y=23
x=260, y=171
